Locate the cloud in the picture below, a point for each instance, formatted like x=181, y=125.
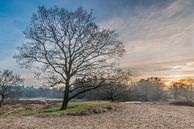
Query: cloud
x=178, y=6
x=155, y=34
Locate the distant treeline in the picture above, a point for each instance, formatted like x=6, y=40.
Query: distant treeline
x=151, y=89
x=33, y=92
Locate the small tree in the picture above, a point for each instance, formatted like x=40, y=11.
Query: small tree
x=114, y=88
x=68, y=45
x=8, y=80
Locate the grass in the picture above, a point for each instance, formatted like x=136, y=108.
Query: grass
x=53, y=110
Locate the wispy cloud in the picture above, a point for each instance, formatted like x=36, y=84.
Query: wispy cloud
x=156, y=35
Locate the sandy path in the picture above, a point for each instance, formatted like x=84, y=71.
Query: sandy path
x=132, y=116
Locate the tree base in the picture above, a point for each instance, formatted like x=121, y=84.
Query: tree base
x=64, y=105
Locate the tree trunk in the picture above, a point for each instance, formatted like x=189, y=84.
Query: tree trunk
x=64, y=104
x=66, y=97
x=2, y=99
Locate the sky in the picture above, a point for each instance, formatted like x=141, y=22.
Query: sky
x=158, y=34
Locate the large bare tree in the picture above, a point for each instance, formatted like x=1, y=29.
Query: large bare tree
x=8, y=80
x=68, y=45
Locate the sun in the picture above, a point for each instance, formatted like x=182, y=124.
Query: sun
x=167, y=83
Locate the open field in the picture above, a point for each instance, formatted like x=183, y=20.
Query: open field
x=128, y=116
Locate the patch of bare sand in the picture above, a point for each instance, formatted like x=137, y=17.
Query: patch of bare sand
x=131, y=116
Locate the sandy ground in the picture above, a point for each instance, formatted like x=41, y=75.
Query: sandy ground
x=131, y=116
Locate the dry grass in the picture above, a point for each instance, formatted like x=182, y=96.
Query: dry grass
x=130, y=116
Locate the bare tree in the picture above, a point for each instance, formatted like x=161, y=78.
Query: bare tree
x=7, y=80
x=114, y=88
x=68, y=45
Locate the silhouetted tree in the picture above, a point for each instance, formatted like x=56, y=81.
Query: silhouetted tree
x=8, y=80
x=68, y=45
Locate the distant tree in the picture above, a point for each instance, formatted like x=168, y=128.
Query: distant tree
x=175, y=89
x=183, y=88
x=114, y=89
x=8, y=80
x=189, y=85
x=150, y=89
x=68, y=45
x=113, y=92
